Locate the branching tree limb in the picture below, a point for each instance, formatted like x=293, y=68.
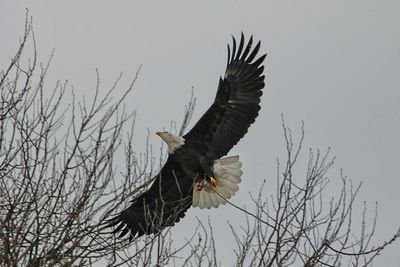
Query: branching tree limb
x=301, y=224
x=62, y=178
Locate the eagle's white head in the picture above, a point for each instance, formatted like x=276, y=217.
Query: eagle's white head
x=173, y=141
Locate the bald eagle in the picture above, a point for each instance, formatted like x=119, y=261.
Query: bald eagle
x=195, y=173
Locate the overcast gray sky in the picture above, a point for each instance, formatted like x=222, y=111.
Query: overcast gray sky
x=333, y=64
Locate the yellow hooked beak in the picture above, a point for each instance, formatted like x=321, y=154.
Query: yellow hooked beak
x=160, y=133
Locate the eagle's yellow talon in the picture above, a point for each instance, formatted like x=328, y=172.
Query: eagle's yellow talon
x=213, y=181
x=199, y=186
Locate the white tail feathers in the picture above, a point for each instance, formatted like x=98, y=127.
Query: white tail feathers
x=227, y=174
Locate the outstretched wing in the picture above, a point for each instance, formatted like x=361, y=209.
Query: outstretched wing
x=164, y=204
x=236, y=104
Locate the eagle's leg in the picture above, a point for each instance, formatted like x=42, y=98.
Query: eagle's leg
x=213, y=181
x=199, y=185
x=210, y=177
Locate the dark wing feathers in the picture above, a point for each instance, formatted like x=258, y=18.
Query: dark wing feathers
x=162, y=205
x=236, y=104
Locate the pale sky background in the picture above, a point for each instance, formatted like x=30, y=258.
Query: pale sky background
x=333, y=64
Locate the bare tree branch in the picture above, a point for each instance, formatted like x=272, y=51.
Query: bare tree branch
x=62, y=179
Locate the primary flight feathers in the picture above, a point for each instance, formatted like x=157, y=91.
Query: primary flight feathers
x=195, y=172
